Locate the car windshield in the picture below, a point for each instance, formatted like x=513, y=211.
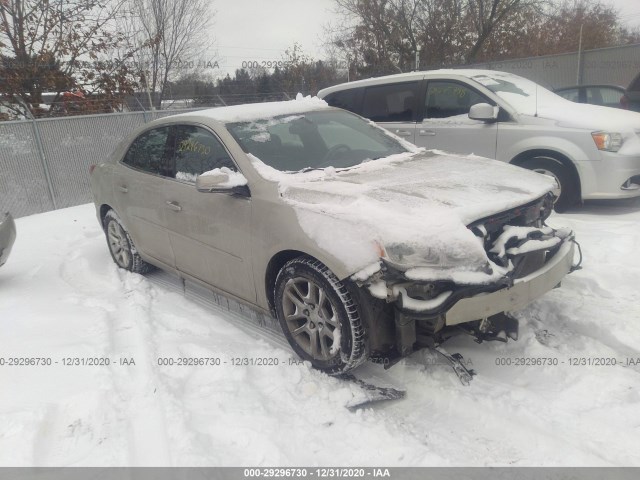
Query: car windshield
x=525, y=96
x=315, y=139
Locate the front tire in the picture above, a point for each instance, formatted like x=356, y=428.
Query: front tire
x=319, y=316
x=566, y=191
x=121, y=247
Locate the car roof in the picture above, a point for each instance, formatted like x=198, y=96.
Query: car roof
x=409, y=76
x=249, y=111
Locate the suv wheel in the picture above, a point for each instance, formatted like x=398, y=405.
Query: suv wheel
x=319, y=316
x=565, y=190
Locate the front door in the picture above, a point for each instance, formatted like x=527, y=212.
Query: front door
x=209, y=232
x=447, y=126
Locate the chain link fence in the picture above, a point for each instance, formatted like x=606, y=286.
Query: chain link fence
x=44, y=163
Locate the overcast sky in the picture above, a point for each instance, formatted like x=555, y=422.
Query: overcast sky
x=260, y=30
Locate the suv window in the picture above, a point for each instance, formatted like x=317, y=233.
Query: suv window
x=396, y=102
x=349, y=99
x=570, y=94
x=148, y=152
x=448, y=99
x=604, y=96
x=197, y=151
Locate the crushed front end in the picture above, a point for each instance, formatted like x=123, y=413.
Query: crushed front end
x=524, y=259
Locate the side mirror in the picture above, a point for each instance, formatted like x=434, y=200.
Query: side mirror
x=222, y=180
x=484, y=112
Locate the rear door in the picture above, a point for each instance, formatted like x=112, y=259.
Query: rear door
x=209, y=232
x=446, y=124
x=139, y=179
x=394, y=106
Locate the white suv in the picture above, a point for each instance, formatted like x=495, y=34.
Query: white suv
x=593, y=152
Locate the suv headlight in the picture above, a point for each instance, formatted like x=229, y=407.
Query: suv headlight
x=607, y=141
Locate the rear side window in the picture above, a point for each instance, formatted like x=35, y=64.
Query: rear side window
x=197, y=151
x=604, y=96
x=570, y=94
x=635, y=85
x=449, y=99
x=148, y=152
x=396, y=102
x=349, y=99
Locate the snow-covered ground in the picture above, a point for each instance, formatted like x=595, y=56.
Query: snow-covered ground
x=62, y=298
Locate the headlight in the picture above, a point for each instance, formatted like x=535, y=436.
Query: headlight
x=608, y=141
x=429, y=257
x=407, y=255
x=399, y=252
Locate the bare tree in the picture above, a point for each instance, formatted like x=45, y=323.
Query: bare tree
x=57, y=47
x=386, y=34
x=599, y=22
x=487, y=15
x=172, y=33
x=556, y=29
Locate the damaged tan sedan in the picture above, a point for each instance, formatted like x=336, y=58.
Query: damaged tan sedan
x=362, y=245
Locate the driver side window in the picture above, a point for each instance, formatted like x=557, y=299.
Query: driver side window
x=197, y=151
x=449, y=99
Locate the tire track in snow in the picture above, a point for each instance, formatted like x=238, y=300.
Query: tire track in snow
x=138, y=385
x=125, y=299
x=292, y=382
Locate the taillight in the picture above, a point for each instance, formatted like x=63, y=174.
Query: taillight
x=91, y=169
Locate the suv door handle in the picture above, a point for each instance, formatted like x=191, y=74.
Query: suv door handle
x=174, y=206
x=428, y=133
x=123, y=189
x=403, y=133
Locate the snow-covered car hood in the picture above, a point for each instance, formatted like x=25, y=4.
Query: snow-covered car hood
x=593, y=117
x=534, y=103
x=415, y=206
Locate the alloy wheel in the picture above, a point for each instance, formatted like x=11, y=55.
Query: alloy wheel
x=557, y=190
x=118, y=244
x=311, y=318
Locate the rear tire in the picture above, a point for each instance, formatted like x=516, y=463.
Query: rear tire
x=567, y=188
x=319, y=316
x=121, y=247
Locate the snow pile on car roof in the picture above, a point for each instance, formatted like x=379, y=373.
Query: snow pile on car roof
x=253, y=111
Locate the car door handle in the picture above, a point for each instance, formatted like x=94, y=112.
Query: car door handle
x=174, y=206
x=403, y=133
x=123, y=189
x=428, y=133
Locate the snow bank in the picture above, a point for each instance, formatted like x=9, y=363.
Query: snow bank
x=61, y=296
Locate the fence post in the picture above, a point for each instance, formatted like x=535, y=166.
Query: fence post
x=43, y=160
